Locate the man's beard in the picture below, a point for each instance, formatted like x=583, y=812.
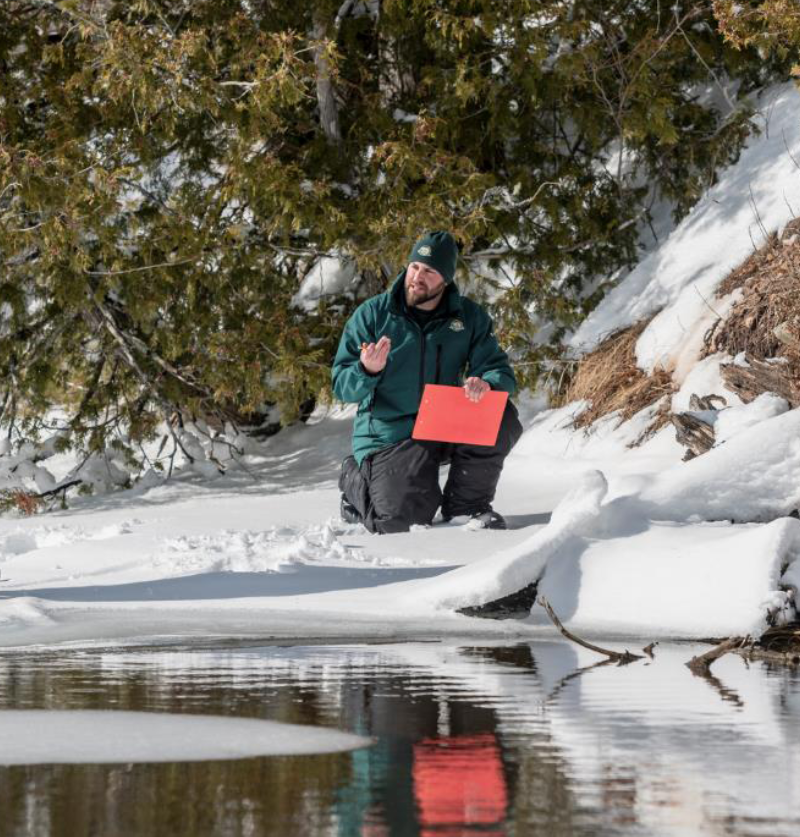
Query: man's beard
x=413, y=299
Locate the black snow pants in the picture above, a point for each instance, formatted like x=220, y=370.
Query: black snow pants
x=398, y=486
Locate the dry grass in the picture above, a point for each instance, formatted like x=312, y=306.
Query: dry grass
x=20, y=500
x=609, y=379
x=765, y=323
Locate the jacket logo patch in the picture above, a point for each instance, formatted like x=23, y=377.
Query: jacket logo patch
x=424, y=250
x=456, y=325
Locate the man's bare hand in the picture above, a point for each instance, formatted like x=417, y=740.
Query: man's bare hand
x=374, y=355
x=475, y=389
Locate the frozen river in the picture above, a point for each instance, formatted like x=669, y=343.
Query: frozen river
x=468, y=739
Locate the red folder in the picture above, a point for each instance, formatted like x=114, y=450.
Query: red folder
x=447, y=415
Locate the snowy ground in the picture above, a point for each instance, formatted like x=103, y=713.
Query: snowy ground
x=639, y=543
x=264, y=554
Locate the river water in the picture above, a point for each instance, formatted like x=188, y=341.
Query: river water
x=469, y=739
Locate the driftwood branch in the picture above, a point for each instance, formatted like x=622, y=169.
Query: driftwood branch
x=702, y=664
x=780, y=644
x=693, y=431
x=696, y=435
x=615, y=656
x=759, y=376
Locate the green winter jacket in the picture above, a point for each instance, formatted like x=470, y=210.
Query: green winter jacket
x=457, y=342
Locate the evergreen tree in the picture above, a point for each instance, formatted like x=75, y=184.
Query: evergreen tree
x=170, y=172
x=772, y=26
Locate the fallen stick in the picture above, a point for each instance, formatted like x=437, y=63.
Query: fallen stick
x=53, y=491
x=615, y=656
x=702, y=663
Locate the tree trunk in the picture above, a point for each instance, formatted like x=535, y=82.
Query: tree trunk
x=326, y=98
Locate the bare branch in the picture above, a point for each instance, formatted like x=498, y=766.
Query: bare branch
x=139, y=269
x=702, y=664
x=614, y=656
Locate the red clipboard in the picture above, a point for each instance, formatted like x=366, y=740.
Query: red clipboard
x=447, y=415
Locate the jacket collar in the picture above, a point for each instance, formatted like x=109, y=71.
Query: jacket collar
x=450, y=306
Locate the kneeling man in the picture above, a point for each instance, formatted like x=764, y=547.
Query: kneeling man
x=420, y=331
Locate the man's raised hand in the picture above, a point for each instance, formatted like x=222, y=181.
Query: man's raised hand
x=374, y=355
x=475, y=389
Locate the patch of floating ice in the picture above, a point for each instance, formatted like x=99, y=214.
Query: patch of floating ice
x=111, y=737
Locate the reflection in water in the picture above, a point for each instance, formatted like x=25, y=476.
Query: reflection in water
x=459, y=782
x=491, y=740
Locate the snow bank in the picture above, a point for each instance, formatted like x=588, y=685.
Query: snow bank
x=511, y=569
x=761, y=191
x=608, y=567
x=754, y=476
x=108, y=737
x=705, y=580
x=734, y=420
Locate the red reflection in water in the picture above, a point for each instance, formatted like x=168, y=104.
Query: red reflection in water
x=375, y=829
x=459, y=783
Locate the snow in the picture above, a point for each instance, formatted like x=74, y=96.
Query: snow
x=677, y=282
x=752, y=477
x=704, y=379
x=705, y=580
x=736, y=419
x=511, y=569
x=330, y=275
x=623, y=537
x=107, y=737
x=619, y=550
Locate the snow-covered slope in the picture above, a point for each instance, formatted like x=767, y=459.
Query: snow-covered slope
x=757, y=195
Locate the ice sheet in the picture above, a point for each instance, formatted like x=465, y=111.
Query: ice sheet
x=105, y=737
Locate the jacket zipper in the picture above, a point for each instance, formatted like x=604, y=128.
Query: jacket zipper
x=421, y=363
x=438, y=363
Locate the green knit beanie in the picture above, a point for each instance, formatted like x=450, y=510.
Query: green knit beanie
x=437, y=249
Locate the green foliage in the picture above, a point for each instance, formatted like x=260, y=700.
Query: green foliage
x=773, y=26
x=167, y=179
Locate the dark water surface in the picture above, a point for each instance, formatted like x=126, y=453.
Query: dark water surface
x=524, y=739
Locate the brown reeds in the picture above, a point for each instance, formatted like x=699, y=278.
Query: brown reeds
x=610, y=380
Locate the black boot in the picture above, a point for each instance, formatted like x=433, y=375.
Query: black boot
x=489, y=519
x=349, y=512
